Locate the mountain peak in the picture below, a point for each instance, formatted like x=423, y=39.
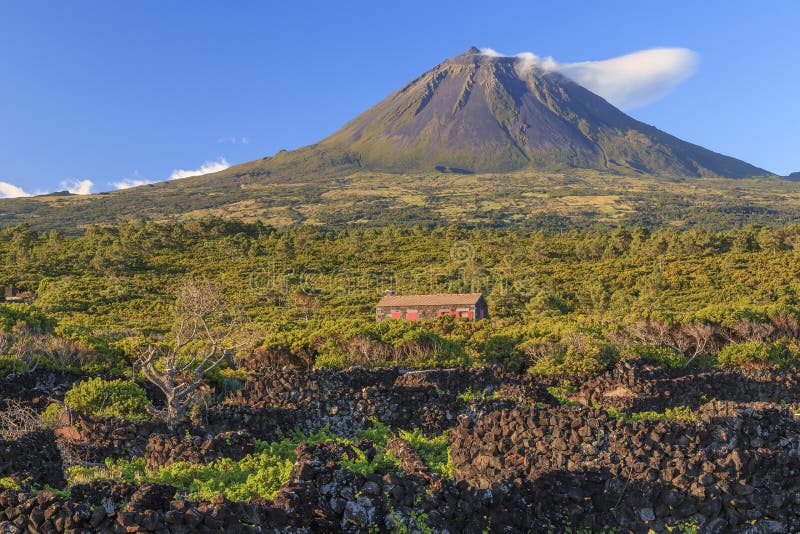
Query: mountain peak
x=482, y=113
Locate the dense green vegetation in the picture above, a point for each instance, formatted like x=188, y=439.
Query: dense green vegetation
x=261, y=474
x=118, y=398
x=568, y=303
x=10, y=365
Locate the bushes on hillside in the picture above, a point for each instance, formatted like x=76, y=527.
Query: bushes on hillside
x=118, y=398
x=758, y=354
x=9, y=365
x=52, y=414
x=504, y=350
x=411, y=344
x=12, y=314
x=576, y=354
x=657, y=355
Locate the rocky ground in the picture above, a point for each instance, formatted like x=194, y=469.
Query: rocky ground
x=636, y=449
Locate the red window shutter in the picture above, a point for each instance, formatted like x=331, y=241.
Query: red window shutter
x=412, y=315
x=396, y=315
x=470, y=315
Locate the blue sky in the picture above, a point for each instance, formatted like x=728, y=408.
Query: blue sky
x=113, y=92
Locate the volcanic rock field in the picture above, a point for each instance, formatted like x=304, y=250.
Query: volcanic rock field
x=636, y=449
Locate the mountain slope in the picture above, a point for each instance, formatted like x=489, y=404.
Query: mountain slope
x=476, y=140
x=489, y=114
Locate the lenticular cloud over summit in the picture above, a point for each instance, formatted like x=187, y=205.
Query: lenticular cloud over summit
x=628, y=81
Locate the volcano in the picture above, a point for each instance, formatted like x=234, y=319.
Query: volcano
x=478, y=140
x=480, y=113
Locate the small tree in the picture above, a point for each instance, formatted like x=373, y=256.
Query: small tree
x=202, y=340
x=5, y=342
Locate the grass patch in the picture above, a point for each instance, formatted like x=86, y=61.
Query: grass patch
x=678, y=413
x=562, y=392
x=473, y=397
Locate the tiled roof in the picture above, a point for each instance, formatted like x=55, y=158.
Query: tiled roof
x=446, y=299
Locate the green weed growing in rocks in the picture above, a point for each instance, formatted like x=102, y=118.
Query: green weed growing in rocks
x=435, y=451
x=471, y=396
x=562, y=393
x=678, y=413
x=358, y=462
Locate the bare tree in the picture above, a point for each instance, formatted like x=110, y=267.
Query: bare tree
x=202, y=340
x=27, y=344
x=786, y=326
x=702, y=339
x=18, y=419
x=66, y=352
x=753, y=331
x=656, y=332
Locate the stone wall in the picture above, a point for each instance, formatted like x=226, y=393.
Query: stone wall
x=735, y=465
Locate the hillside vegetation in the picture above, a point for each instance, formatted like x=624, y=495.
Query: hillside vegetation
x=626, y=378
x=358, y=198
x=568, y=303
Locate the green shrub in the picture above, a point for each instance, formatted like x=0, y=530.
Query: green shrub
x=378, y=432
x=9, y=365
x=9, y=483
x=120, y=470
x=678, y=413
x=227, y=380
x=256, y=476
x=577, y=354
x=756, y=354
x=331, y=356
x=119, y=398
x=504, y=351
x=383, y=462
x=14, y=313
x=658, y=355
x=52, y=413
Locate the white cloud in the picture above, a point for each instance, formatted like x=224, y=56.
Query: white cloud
x=628, y=81
x=8, y=190
x=77, y=187
x=490, y=52
x=207, y=167
x=127, y=183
